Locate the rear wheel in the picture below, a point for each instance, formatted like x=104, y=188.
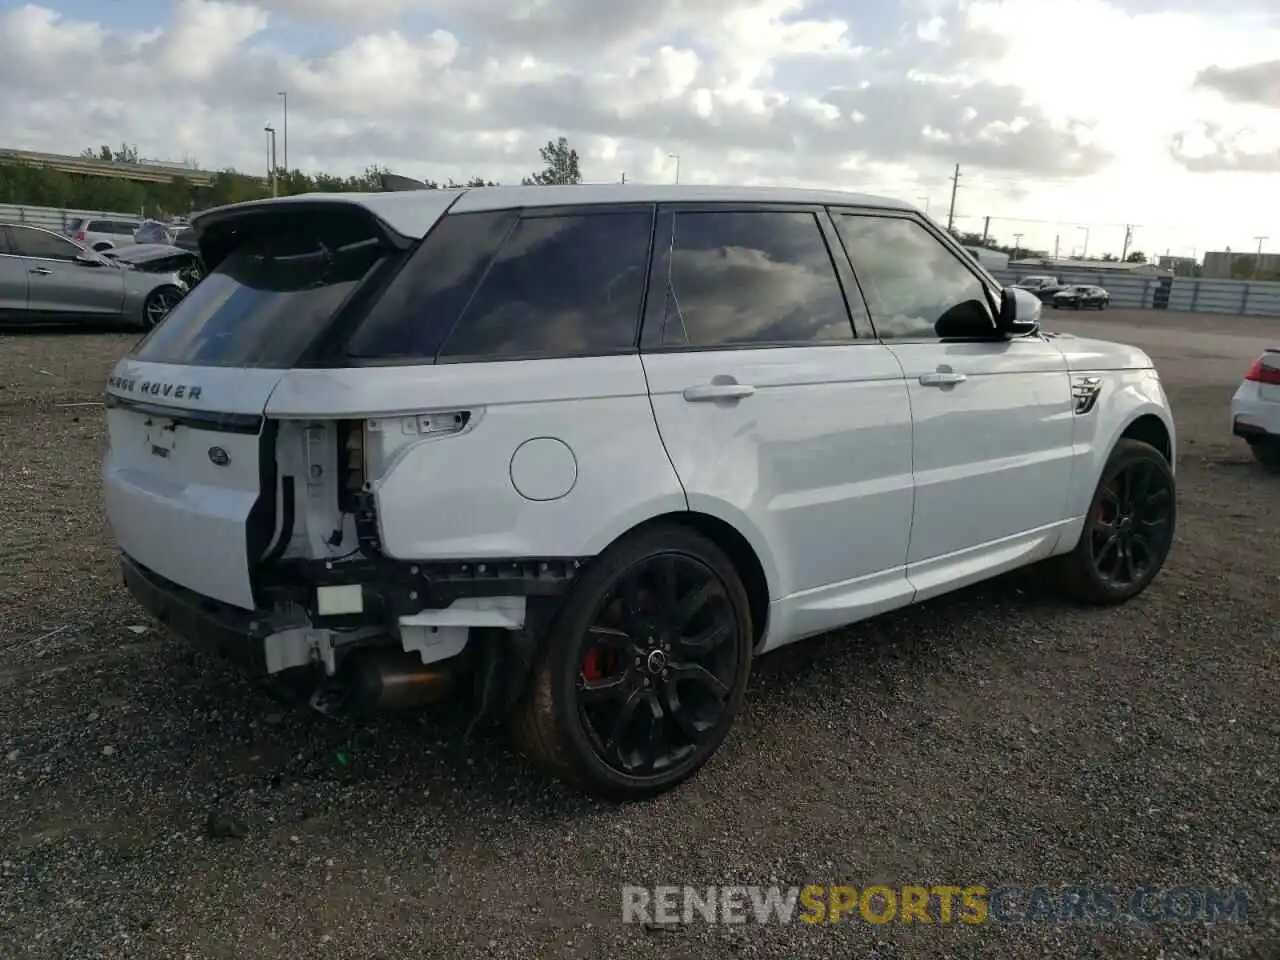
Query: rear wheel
x=1129, y=530
x=158, y=304
x=1267, y=453
x=643, y=670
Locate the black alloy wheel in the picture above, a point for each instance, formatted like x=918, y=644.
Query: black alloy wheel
x=645, y=668
x=1129, y=531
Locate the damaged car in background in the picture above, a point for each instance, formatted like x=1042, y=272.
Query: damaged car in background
x=46, y=278
x=161, y=258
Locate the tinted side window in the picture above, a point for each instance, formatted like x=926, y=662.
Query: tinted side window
x=36, y=243
x=559, y=286
x=915, y=287
x=418, y=309
x=752, y=277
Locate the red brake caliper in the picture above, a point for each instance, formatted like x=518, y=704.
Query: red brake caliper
x=591, y=668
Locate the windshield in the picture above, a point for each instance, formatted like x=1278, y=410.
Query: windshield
x=268, y=301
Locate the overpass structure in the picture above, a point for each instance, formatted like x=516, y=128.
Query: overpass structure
x=144, y=172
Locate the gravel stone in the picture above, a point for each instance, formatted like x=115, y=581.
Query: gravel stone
x=998, y=735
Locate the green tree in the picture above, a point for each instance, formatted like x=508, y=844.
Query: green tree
x=1136, y=257
x=561, y=165
x=126, y=153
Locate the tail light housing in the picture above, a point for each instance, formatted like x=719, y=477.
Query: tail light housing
x=1259, y=372
x=80, y=235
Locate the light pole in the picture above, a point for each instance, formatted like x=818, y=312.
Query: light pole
x=284, y=100
x=926, y=205
x=1017, y=245
x=676, y=158
x=271, y=152
x=1257, y=260
x=1084, y=255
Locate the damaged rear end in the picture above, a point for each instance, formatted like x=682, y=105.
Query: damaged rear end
x=242, y=475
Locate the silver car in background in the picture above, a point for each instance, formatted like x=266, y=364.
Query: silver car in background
x=102, y=233
x=47, y=278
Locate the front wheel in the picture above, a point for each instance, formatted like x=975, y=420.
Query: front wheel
x=158, y=304
x=1129, y=529
x=643, y=669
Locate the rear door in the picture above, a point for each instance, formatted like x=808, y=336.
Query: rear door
x=13, y=281
x=60, y=287
x=993, y=420
x=777, y=417
x=190, y=451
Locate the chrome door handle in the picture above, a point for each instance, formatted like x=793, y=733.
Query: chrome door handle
x=707, y=392
x=941, y=379
x=42, y=271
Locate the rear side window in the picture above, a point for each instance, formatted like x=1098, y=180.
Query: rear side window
x=752, y=277
x=560, y=286
x=27, y=242
x=499, y=286
x=270, y=299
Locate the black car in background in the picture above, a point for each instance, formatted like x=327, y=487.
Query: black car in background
x=1081, y=296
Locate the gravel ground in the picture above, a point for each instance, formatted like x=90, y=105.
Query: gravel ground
x=994, y=736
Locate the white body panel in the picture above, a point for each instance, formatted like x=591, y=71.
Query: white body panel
x=1258, y=404
x=455, y=496
x=178, y=512
x=992, y=453
x=813, y=468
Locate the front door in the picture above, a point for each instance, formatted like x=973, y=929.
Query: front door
x=58, y=286
x=778, y=419
x=993, y=421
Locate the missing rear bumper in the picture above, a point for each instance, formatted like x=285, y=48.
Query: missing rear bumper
x=233, y=634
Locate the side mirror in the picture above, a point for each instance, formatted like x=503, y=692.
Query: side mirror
x=88, y=259
x=1019, y=312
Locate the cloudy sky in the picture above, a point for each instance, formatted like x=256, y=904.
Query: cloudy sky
x=1160, y=113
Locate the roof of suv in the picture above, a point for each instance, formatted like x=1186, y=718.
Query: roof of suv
x=413, y=212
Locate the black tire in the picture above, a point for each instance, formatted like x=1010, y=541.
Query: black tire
x=1267, y=453
x=557, y=728
x=158, y=304
x=1114, y=526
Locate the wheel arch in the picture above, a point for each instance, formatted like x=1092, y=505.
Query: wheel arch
x=737, y=546
x=1150, y=429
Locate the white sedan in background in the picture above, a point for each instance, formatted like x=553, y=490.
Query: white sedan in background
x=1255, y=409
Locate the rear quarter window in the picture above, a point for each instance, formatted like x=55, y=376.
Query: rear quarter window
x=271, y=297
x=505, y=286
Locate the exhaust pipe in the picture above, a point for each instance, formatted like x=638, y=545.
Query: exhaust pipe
x=387, y=678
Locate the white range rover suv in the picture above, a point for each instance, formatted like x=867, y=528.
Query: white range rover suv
x=582, y=453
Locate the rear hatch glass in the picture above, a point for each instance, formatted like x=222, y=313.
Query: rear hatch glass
x=268, y=301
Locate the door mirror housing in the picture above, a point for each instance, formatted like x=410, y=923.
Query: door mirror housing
x=1019, y=312
x=87, y=259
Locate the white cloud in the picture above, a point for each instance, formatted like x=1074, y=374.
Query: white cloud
x=1160, y=113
